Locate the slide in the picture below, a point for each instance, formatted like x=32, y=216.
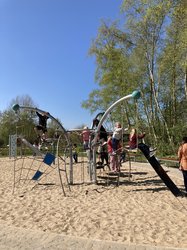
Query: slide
x=159, y=170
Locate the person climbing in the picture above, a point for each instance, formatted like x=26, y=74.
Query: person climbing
x=85, y=137
x=116, y=136
x=102, y=132
x=133, y=138
x=41, y=128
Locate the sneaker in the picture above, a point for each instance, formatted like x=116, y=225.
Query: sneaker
x=152, y=149
x=151, y=154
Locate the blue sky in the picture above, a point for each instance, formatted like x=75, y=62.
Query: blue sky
x=44, y=48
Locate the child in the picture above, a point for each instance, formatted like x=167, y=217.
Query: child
x=133, y=138
x=104, y=152
x=102, y=132
x=114, y=161
x=116, y=137
x=75, y=153
x=85, y=137
x=42, y=126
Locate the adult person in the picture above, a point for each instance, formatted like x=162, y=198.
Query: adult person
x=182, y=156
x=41, y=128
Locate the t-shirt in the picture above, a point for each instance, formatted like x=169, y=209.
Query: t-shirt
x=85, y=135
x=133, y=140
x=117, y=134
x=102, y=133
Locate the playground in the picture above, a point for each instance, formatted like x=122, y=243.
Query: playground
x=34, y=163
x=93, y=141
x=43, y=188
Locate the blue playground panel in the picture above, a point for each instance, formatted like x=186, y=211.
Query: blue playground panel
x=37, y=175
x=49, y=159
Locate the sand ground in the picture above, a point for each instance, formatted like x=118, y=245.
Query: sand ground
x=140, y=211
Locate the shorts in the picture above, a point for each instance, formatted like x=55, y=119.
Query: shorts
x=86, y=145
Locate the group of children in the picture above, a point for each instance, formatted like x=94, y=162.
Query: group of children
x=109, y=145
x=110, y=150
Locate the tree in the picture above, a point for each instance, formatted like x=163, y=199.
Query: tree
x=20, y=123
x=134, y=57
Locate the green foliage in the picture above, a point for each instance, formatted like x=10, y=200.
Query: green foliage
x=148, y=53
x=21, y=123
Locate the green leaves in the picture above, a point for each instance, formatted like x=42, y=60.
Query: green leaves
x=148, y=53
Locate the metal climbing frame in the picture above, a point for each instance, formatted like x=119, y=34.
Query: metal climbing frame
x=37, y=166
x=135, y=95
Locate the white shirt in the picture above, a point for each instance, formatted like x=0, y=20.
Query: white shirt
x=117, y=134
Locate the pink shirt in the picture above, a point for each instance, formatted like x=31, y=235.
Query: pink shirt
x=85, y=135
x=133, y=140
x=109, y=144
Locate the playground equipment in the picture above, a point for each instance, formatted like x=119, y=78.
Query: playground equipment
x=36, y=166
x=159, y=170
x=135, y=95
x=144, y=148
x=34, y=169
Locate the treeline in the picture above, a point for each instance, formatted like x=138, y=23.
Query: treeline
x=23, y=123
x=145, y=50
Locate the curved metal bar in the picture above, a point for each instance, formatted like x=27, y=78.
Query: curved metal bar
x=17, y=107
x=96, y=117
